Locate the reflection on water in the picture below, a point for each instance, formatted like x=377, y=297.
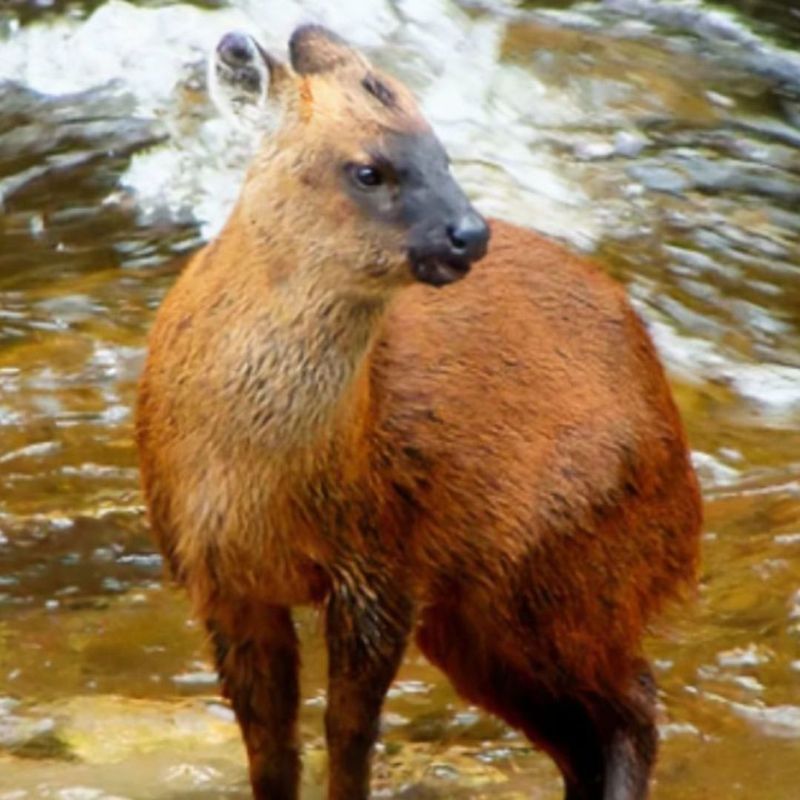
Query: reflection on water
x=663, y=137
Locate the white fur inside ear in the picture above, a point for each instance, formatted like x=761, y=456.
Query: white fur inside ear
x=239, y=83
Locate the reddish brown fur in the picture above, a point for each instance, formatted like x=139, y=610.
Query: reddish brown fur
x=498, y=466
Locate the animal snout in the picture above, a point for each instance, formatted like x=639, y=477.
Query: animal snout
x=469, y=236
x=444, y=253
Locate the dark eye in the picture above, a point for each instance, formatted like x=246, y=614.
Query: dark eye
x=366, y=176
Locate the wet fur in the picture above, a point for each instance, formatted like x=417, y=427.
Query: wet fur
x=496, y=468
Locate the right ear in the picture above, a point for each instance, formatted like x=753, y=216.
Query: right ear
x=314, y=49
x=246, y=83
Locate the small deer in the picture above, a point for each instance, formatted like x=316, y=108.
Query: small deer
x=329, y=415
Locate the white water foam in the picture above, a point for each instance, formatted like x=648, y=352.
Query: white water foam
x=489, y=113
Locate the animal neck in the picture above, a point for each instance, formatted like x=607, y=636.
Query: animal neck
x=304, y=372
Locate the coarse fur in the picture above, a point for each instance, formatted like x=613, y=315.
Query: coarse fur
x=496, y=468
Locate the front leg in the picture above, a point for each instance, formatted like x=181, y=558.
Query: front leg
x=367, y=629
x=256, y=655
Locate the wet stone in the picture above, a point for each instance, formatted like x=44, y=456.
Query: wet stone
x=629, y=144
x=660, y=178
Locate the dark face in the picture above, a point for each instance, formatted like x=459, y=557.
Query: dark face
x=406, y=182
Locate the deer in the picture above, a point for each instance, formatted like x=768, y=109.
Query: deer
x=364, y=397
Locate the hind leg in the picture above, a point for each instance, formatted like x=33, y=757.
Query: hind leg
x=604, y=744
x=604, y=747
x=633, y=740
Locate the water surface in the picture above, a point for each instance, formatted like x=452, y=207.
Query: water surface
x=662, y=138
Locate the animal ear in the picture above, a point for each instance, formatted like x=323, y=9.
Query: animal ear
x=246, y=82
x=314, y=49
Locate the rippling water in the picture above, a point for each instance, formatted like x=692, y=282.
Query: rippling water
x=662, y=137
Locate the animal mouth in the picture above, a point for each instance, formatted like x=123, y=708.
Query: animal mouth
x=440, y=271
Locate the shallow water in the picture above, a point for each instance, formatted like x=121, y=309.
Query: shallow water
x=662, y=137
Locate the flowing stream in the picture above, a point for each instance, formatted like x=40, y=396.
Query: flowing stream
x=660, y=137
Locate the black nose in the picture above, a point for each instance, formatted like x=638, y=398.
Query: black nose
x=469, y=236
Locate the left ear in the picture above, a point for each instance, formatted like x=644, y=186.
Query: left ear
x=314, y=49
x=246, y=83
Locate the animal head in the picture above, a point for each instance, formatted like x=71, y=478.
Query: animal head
x=349, y=177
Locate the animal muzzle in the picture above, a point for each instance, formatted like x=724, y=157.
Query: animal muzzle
x=444, y=254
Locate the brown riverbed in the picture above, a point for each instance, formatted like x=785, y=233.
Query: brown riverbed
x=665, y=143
